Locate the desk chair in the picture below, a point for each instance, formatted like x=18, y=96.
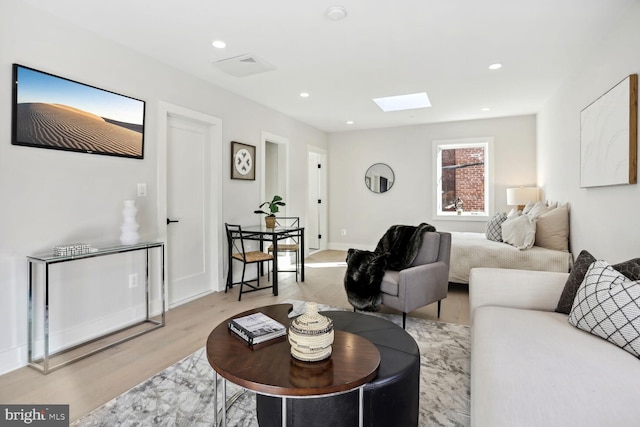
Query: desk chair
x=235, y=239
x=291, y=244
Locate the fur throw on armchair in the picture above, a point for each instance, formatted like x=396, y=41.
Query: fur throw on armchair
x=396, y=250
x=402, y=243
x=365, y=270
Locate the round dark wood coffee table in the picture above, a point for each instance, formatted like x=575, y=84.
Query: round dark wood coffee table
x=269, y=369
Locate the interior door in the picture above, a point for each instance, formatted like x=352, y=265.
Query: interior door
x=312, y=229
x=188, y=193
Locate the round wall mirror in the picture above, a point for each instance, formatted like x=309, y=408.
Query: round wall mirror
x=379, y=178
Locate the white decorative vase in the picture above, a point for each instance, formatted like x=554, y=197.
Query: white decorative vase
x=311, y=335
x=129, y=227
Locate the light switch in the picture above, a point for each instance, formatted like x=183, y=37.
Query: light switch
x=142, y=190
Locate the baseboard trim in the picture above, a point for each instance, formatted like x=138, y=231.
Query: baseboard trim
x=12, y=359
x=347, y=246
x=191, y=298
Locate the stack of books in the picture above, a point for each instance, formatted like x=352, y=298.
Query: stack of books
x=256, y=328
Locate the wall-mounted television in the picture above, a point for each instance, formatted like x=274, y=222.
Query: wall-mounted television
x=57, y=113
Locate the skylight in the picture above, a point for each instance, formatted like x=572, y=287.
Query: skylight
x=403, y=102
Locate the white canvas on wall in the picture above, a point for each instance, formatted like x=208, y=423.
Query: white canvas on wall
x=608, y=137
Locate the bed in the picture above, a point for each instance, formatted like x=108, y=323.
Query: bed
x=469, y=250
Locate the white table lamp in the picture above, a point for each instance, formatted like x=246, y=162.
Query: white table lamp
x=521, y=196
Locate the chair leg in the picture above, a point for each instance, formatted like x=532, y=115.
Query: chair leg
x=404, y=320
x=269, y=268
x=439, y=304
x=244, y=267
x=258, y=273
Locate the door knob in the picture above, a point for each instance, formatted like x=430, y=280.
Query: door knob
x=169, y=221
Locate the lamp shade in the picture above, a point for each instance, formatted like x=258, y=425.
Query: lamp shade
x=522, y=195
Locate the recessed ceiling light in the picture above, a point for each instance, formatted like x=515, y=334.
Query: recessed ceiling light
x=304, y=95
x=485, y=109
x=336, y=13
x=403, y=102
x=495, y=66
x=350, y=122
x=219, y=44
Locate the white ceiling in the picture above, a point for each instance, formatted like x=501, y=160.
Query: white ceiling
x=382, y=48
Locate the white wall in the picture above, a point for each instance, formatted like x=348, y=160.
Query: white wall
x=53, y=197
x=408, y=150
x=604, y=220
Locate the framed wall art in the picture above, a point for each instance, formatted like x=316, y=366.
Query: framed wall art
x=61, y=114
x=243, y=161
x=609, y=137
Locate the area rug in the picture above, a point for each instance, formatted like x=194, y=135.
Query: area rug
x=182, y=395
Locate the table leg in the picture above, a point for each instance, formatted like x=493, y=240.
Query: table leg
x=302, y=255
x=284, y=411
x=146, y=282
x=361, y=407
x=215, y=398
x=224, y=402
x=31, y=315
x=162, y=285
x=275, y=265
x=45, y=361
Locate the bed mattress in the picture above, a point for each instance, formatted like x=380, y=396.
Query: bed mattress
x=470, y=250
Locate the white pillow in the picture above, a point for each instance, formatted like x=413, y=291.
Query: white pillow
x=527, y=208
x=513, y=213
x=607, y=304
x=552, y=229
x=519, y=232
x=538, y=209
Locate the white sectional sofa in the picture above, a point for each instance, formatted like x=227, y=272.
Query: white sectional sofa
x=531, y=367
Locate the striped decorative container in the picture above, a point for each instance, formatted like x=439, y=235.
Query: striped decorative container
x=311, y=335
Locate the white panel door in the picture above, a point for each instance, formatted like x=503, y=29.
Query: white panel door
x=188, y=192
x=312, y=229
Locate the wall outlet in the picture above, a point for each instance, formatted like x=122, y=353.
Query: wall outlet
x=343, y=232
x=133, y=280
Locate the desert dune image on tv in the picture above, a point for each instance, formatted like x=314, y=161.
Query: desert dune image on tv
x=53, y=112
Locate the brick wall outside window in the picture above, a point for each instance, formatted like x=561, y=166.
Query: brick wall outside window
x=466, y=183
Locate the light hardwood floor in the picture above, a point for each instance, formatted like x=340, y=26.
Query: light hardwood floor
x=91, y=382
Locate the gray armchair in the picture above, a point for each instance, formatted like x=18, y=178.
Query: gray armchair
x=425, y=281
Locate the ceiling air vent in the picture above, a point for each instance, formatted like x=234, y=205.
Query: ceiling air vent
x=243, y=65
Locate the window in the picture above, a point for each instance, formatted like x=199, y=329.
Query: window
x=463, y=177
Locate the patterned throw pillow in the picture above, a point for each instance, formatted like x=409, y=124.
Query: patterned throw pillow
x=608, y=305
x=493, y=229
x=630, y=268
x=579, y=269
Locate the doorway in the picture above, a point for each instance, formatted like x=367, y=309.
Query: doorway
x=275, y=169
x=189, y=156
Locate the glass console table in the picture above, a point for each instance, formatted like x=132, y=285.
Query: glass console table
x=44, y=364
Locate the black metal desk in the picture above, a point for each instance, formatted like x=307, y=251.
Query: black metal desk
x=263, y=234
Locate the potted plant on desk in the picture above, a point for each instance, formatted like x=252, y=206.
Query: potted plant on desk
x=274, y=207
